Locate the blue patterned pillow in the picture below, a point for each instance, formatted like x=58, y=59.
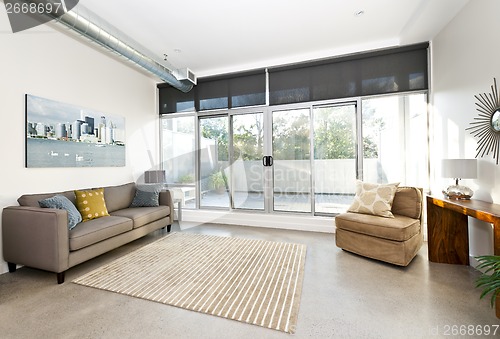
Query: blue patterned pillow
x=63, y=203
x=146, y=199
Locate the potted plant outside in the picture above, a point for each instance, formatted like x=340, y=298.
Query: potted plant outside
x=218, y=182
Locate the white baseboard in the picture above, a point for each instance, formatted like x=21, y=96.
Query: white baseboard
x=191, y=218
x=473, y=261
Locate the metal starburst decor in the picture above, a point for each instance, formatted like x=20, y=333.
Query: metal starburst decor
x=486, y=126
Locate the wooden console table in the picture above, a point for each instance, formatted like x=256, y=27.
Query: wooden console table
x=448, y=233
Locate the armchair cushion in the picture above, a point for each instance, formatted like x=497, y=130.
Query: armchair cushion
x=374, y=199
x=408, y=202
x=399, y=228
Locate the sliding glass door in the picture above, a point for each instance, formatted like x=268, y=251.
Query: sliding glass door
x=335, y=157
x=179, y=158
x=291, y=144
x=247, y=151
x=214, y=162
x=301, y=158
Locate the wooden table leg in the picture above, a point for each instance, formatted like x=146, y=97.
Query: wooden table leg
x=448, y=235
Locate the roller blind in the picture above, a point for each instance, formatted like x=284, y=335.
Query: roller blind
x=388, y=71
x=220, y=92
x=392, y=70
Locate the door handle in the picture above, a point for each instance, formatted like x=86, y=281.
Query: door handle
x=267, y=161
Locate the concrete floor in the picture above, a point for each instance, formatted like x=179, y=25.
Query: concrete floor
x=344, y=296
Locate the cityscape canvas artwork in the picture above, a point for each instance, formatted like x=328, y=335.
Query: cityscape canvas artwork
x=65, y=135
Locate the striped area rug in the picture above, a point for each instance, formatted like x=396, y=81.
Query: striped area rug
x=254, y=281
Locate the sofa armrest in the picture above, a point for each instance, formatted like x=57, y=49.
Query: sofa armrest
x=36, y=237
x=166, y=200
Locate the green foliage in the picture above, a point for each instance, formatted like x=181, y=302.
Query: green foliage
x=186, y=179
x=248, y=141
x=216, y=129
x=335, y=137
x=291, y=138
x=217, y=180
x=490, y=279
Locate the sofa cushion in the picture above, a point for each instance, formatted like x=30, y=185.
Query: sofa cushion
x=374, y=199
x=408, y=202
x=145, y=199
x=32, y=200
x=93, y=231
x=119, y=197
x=91, y=204
x=63, y=203
x=143, y=215
x=399, y=228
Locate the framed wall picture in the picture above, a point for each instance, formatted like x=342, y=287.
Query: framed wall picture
x=65, y=135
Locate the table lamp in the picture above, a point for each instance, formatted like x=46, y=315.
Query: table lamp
x=459, y=169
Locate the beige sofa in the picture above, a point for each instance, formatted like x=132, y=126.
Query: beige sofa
x=393, y=240
x=40, y=238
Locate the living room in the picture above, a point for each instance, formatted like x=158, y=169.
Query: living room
x=51, y=62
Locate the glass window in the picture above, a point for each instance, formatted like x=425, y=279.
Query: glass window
x=334, y=157
x=214, y=162
x=394, y=139
x=248, y=150
x=179, y=157
x=292, y=165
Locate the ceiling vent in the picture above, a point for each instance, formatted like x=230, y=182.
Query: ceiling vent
x=185, y=74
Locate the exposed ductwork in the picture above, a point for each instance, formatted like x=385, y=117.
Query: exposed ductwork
x=91, y=26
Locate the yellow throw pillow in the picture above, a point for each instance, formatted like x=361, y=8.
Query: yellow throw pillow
x=91, y=204
x=375, y=199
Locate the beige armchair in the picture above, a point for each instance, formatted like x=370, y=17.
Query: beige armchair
x=394, y=240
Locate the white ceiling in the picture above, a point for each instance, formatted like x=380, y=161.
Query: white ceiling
x=220, y=36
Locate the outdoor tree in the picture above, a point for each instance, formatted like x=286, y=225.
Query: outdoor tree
x=248, y=137
x=334, y=136
x=291, y=136
x=216, y=129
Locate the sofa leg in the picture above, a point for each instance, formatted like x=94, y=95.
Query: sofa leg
x=169, y=227
x=12, y=267
x=60, y=277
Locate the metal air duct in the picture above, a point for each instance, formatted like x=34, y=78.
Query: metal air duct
x=91, y=26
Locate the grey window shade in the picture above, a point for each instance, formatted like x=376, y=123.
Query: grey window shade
x=395, y=70
x=174, y=101
x=392, y=70
x=213, y=94
x=248, y=91
x=221, y=92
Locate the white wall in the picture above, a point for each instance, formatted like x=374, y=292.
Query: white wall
x=47, y=63
x=465, y=59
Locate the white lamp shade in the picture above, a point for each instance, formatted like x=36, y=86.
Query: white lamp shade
x=459, y=168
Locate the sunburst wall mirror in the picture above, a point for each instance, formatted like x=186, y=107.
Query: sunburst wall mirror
x=486, y=126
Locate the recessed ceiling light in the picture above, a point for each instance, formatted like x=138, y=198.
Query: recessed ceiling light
x=177, y=50
x=359, y=13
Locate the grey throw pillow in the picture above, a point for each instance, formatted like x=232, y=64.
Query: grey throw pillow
x=63, y=203
x=146, y=199
x=150, y=187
